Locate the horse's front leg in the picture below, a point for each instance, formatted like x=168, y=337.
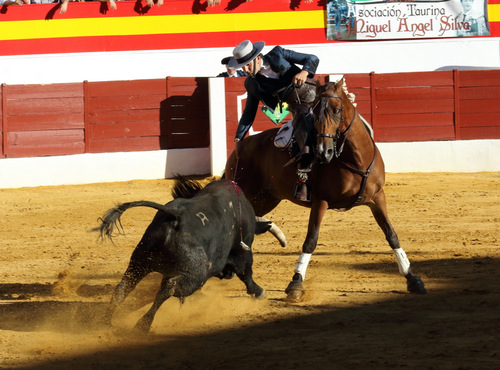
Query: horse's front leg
x=295, y=290
x=379, y=211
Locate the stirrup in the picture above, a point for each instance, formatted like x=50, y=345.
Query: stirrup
x=301, y=191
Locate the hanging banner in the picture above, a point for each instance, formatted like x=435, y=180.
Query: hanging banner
x=405, y=19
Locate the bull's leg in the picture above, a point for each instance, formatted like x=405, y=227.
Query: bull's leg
x=242, y=265
x=130, y=279
x=379, y=211
x=295, y=290
x=167, y=289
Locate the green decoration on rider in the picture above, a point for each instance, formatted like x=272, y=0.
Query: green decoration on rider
x=275, y=79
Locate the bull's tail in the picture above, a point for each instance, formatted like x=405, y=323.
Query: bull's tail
x=111, y=225
x=264, y=225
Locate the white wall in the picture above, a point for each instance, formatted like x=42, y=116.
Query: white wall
x=349, y=57
x=102, y=167
x=442, y=156
x=437, y=156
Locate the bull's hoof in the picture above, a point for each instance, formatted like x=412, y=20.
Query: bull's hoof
x=258, y=293
x=415, y=285
x=142, y=326
x=226, y=274
x=295, y=292
x=261, y=295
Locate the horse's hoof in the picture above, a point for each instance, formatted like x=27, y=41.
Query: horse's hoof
x=295, y=292
x=416, y=285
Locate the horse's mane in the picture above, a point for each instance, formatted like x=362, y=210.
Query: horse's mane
x=185, y=188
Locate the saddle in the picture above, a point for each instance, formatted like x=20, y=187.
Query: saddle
x=299, y=141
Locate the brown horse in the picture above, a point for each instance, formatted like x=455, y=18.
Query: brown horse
x=350, y=172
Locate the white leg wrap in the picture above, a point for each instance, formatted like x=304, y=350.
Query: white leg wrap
x=403, y=262
x=301, y=266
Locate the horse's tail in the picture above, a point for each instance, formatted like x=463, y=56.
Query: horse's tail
x=263, y=225
x=111, y=219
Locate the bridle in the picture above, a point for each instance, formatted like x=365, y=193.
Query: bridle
x=338, y=133
x=338, y=150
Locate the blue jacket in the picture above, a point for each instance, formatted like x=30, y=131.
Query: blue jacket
x=261, y=88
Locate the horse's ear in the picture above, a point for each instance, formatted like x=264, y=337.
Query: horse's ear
x=340, y=84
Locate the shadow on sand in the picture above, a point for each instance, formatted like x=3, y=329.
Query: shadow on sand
x=454, y=328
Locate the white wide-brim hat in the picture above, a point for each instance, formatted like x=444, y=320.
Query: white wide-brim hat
x=244, y=53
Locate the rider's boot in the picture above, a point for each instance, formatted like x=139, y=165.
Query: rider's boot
x=302, y=189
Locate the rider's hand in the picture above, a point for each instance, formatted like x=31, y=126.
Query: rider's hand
x=300, y=78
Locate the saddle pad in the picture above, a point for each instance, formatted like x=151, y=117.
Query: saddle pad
x=283, y=139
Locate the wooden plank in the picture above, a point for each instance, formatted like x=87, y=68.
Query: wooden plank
x=490, y=77
x=414, y=93
x=482, y=119
x=126, y=144
x=235, y=85
x=357, y=80
x=128, y=102
x=361, y=94
x=479, y=106
x=43, y=143
x=178, y=141
x=477, y=133
x=185, y=126
x=408, y=134
x=415, y=120
x=189, y=112
x=413, y=107
x=44, y=138
x=435, y=78
x=135, y=115
x=480, y=92
x=42, y=151
x=46, y=91
x=120, y=88
x=47, y=121
x=122, y=130
x=61, y=105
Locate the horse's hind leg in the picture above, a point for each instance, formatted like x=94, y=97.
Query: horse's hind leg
x=379, y=211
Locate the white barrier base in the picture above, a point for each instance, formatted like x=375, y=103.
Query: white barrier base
x=434, y=156
x=102, y=167
x=442, y=156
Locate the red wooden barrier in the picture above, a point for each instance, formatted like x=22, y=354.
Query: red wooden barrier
x=94, y=117
x=413, y=106
x=478, y=109
x=124, y=115
x=40, y=120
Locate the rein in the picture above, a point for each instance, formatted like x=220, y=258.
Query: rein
x=237, y=189
x=337, y=152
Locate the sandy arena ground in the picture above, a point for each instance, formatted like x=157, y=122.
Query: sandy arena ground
x=56, y=278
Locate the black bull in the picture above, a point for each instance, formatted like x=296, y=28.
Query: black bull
x=202, y=233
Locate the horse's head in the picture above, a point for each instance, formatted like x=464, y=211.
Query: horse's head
x=328, y=118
